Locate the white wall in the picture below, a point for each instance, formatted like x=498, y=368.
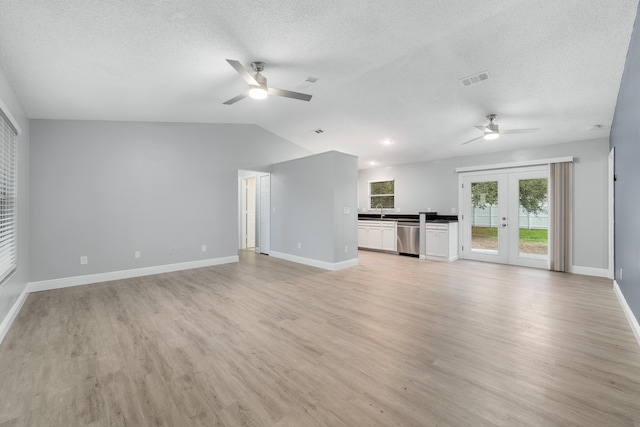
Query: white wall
x=435, y=185
x=13, y=287
x=309, y=196
x=108, y=189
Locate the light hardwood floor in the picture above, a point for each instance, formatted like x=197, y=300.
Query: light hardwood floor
x=265, y=342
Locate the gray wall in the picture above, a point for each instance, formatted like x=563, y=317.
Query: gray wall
x=625, y=138
x=11, y=289
x=108, y=189
x=435, y=185
x=309, y=196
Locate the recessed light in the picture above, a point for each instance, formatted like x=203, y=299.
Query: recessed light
x=387, y=141
x=373, y=163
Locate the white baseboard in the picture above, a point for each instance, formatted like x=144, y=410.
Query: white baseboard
x=13, y=313
x=439, y=258
x=65, y=282
x=314, y=262
x=631, y=318
x=590, y=271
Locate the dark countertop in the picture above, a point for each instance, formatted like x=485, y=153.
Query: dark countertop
x=431, y=217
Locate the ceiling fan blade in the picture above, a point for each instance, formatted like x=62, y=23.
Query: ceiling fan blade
x=532, y=130
x=289, y=94
x=474, y=139
x=482, y=128
x=243, y=72
x=237, y=98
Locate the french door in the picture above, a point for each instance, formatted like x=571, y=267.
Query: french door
x=505, y=216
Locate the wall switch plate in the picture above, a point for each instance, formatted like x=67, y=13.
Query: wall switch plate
x=428, y=209
x=620, y=273
x=299, y=245
x=137, y=254
x=204, y=248
x=453, y=210
x=84, y=260
x=346, y=249
x=346, y=210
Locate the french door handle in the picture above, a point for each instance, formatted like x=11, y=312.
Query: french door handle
x=504, y=225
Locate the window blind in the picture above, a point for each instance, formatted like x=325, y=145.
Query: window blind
x=8, y=136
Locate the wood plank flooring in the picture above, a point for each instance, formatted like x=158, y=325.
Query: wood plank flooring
x=396, y=341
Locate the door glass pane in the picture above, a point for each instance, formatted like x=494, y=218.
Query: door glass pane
x=484, y=216
x=534, y=218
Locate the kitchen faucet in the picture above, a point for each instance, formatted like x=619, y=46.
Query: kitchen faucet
x=380, y=206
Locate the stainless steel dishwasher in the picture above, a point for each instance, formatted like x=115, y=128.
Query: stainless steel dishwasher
x=409, y=238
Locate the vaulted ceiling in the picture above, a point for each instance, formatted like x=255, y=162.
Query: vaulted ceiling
x=384, y=69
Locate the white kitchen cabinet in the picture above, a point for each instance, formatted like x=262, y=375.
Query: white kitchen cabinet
x=442, y=241
x=363, y=235
x=379, y=235
x=388, y=237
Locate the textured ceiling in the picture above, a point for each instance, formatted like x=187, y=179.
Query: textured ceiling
x=385, y=69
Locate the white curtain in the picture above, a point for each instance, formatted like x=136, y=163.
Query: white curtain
x=560, y=216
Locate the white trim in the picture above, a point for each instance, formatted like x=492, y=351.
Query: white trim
x=610, y=211
x=314, y=262
x=514, y=164
x=13, y=313
x=65, y=282
x=631, y=318
x=439, y=258
x=12, y=119
x=590, y=271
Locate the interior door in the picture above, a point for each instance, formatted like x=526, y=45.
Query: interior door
x=265, y=214
x=250, y=212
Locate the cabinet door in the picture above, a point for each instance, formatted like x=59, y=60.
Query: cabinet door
x=389, y=239
x=432, y=241
x=442, y=245
x=363, y=237
x=375, y=237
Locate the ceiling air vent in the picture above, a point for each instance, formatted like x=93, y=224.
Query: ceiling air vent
x=306, y=83
x=476, y=78
x=318, y=131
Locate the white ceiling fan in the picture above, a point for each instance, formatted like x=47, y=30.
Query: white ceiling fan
x=491, y=130
x=258, y=88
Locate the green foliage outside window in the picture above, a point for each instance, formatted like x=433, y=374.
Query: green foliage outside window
x=382, y=194
x=533, y=195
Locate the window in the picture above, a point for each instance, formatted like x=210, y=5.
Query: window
x=381, y=193
x=8, y=136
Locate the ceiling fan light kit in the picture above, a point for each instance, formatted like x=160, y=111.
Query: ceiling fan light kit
x=258, y=88
x=257, y=92
x=492, y=131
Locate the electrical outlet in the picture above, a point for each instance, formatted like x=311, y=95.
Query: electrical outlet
x=299, y=245
x=84, y=260
x=428, y=209
x=346, y=210
x=204, y=248
x=453, y=210
x=346, y=249
x=620, y=277
x=137, y=254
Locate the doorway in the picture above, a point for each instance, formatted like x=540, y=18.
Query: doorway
x=505, y=216
x=254, y=220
